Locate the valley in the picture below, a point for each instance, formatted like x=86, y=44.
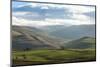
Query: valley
x=32, y=46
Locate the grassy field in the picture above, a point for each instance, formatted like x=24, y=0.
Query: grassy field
x=45, y=56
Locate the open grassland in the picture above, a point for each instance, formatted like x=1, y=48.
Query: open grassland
x=45, y=56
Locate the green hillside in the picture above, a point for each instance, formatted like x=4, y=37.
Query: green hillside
x=32, y=38
x=82, y=43
x=32, y=46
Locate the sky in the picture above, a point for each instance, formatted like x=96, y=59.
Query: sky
x=42, y=14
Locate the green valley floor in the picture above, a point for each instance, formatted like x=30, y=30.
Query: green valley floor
x=47, y=56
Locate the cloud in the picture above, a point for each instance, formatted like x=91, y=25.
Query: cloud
x=40, y=13
x=45, y=7
x=33, y=14
x=16, y=21
x=90, y=14
x=76, y=8
x=28, y=15
x=66, y=22
x=81, y=9
x=80, y=17
x=24, y=22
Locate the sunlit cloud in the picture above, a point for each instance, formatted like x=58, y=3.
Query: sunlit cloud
x=52, y=14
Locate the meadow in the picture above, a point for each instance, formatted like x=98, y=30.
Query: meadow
x=47, y=56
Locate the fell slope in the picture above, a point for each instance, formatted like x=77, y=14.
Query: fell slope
x=82, y=43
x=31, y=38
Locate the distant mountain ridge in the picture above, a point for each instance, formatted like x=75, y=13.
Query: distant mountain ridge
x=52, y=28
x=73, y=32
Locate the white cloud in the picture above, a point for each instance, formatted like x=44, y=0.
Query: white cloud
x=78, y=22
x=24, y=22
x=70, y=21
x=81, y=9
x=80, y=17
x=16, y=21
x=45, y=7
x=72, y=8
x=25, y=14
x=33, y=4
x=77, y=17
x=19, y=13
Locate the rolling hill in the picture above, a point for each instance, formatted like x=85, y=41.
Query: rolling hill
x=31, y=38
x=32, y=46
x=24, y=37
x=82, y=43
